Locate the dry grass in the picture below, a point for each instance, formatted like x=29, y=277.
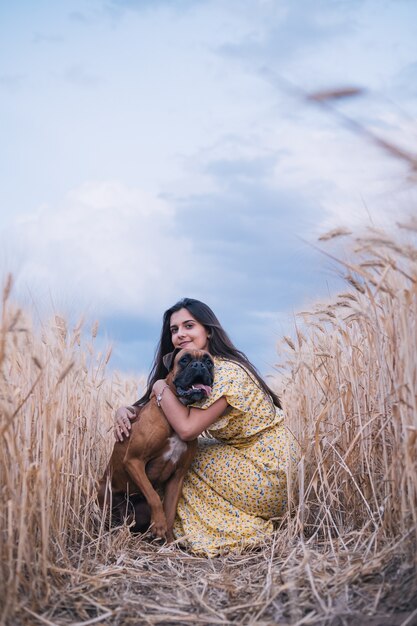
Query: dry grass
x=346, y=552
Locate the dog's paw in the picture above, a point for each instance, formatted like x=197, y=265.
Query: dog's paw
x=159, y=528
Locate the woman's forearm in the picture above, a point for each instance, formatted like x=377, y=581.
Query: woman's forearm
x=176, y=413
x=187, y=422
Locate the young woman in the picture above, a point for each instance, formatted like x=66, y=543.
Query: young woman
x=238, y=481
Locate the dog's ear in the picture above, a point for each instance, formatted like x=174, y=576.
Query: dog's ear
x=168, y=359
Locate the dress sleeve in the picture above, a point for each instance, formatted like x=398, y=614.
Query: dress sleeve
x=234, y=383
x=250, y=409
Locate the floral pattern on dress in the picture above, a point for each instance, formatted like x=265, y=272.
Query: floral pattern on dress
x=237, y=481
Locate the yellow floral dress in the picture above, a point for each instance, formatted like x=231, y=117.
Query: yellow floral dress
x=238, y=481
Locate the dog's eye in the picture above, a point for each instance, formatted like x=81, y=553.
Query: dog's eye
x=209, y=364
x=184, y=360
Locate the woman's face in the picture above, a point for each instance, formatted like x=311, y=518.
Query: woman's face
x=186, y=332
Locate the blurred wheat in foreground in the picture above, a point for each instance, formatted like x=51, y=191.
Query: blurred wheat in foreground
x=346, y=552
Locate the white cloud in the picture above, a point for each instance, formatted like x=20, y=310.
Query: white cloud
x=107, y=247
x=178, y=102
x=349, y=179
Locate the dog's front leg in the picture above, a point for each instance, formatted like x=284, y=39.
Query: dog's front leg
x=136, y=469
x=173, y=488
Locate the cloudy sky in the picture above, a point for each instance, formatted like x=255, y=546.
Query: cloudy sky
x=156, y=149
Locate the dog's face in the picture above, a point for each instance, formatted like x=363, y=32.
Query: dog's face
x=192, y=375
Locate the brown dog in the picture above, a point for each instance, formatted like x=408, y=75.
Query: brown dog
x=154, y=455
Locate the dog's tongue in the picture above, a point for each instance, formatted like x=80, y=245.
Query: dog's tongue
x=205, y=388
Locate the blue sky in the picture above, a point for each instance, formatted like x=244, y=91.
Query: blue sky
x=155, y=149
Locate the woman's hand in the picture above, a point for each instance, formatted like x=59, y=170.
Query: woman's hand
x=122, y=423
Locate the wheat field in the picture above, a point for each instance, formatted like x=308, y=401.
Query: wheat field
x=346, y=551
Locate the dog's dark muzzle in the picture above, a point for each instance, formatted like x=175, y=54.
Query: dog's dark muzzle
x=194, y=382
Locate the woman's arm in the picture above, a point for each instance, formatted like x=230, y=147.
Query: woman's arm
x=187, y=422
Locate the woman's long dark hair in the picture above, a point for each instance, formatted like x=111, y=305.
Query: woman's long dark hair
x=219, y=344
